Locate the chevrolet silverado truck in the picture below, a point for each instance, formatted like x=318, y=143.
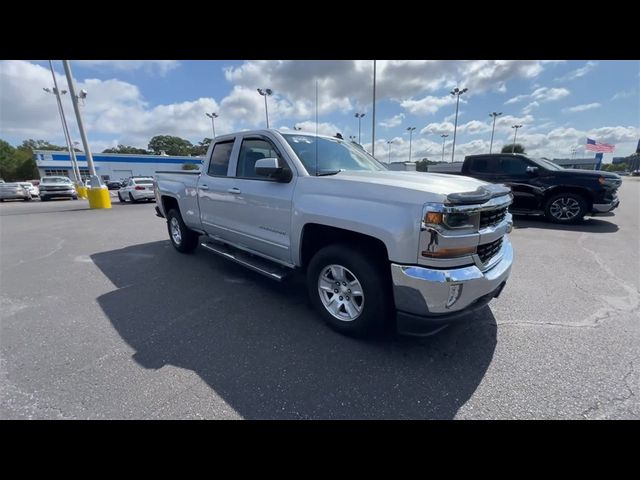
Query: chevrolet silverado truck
x=423, y=250
x=540, y=187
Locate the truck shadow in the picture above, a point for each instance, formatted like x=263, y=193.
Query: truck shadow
x=260, y=347
x=589, y=224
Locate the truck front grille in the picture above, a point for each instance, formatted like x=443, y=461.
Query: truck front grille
x=488, y=250
x=489, y=218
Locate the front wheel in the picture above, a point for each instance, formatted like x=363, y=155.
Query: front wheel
x=182, y=238
x=566, y=208
x=349, y=290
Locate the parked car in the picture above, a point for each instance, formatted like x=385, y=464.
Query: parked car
x=421, y=249
x=541, y=187
x=57, y=187
x=14, y=191
x=136, y=190
x=33, y=190
x=114, y=185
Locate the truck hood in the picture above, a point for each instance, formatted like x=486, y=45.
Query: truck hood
x=451, y=188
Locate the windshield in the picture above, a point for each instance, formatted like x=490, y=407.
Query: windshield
x=56, y=180
x=333, y=154
x=549, y=165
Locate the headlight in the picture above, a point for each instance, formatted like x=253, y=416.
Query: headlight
x=449, y=221
x=608, y=181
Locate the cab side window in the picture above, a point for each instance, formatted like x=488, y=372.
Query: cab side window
x=513, y=166
x=252, y=150
x=220, y=159
x=484, y=166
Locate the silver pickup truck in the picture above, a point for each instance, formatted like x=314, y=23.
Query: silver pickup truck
x=422, y=249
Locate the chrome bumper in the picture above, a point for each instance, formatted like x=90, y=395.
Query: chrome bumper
x=434, y=294
x=605, y=207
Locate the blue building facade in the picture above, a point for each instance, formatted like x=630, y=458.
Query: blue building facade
x=110, y=166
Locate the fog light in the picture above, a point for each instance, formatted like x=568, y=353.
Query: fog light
x=454, y=293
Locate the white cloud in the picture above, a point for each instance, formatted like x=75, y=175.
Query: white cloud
x=579, y=72
x=438, y=128
x=515, y=99
x=625, y=94
x=540, y=95
x=582, y=108
x=324, y=128
x=530, y=107
x=161, y=67
x=427, y=105
x=393, y=121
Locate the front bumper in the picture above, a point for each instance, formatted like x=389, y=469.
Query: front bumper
x=426, y=298
x=606, y=207
x=58, y=193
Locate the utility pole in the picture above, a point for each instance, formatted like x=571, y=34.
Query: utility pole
x=515, y=127
x=98, y=196
x=373, y=123
x=494, y=115
x=65, y=129
x=444, y=139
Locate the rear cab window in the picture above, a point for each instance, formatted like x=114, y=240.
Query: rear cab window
x=219, y=165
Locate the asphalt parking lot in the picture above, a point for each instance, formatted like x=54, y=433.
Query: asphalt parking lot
x=101, y=318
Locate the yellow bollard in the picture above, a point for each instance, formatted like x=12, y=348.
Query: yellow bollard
x=99, y=197
x=81, y=190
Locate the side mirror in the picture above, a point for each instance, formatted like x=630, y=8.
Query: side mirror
x=532, y=170
x=270, y=167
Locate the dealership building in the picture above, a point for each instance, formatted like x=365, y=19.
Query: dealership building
x=109, y=166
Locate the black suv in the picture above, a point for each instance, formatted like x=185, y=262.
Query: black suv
x=540, y=186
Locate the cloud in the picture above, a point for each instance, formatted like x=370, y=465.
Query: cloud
x=427, y=105
x=346, y=84
x=625, y=94
x=579, y=72
x=393, y=121
x=162, y=67
x=581, y=108
x=530, y=107
x=324, y=128
x=540, y=95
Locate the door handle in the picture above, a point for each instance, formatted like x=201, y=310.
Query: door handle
x=203, y=187
x=234, y=190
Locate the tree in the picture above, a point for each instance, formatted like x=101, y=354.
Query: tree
x=32, y=145
x=200, y=150
x=126, y=149
x=190, y=166
x=7, y=161
x=507, y=148
x=170, y=145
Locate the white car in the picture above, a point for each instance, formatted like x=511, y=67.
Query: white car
x=33, y=190
x=137, y=189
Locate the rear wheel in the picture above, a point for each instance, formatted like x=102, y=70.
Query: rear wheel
x=349, y=290
x=566, y=208
x=133, y=200
x=182, y=238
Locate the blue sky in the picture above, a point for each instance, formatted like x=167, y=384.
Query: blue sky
x=559, y=103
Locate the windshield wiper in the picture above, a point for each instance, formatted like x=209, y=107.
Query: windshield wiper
x=324, y=173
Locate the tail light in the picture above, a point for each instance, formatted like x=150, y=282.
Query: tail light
x=138, y=187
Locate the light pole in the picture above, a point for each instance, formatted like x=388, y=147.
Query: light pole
x=373, y=118
x=389, y=142
x=95, y=200
x=444, y=139
x=456, y=92
x=213, y=116
x=352, y=138
x=296, y=127
x=410, y=130
x=494, y=115
x=359, y=117
x=515, y=132
x=65, y=128
x=267, y=92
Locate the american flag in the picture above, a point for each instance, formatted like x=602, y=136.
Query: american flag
x=599, y=147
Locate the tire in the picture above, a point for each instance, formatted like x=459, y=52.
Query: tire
x=186, y=240
x=122, y=200
x=366, y=315
x=44, y=199
x=28, y=199
x=75, y=197
x=131, y=199
x=566, y=208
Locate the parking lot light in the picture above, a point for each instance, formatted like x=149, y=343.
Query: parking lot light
x=456, y=92
x=515, y=127
x=410, y=130
x=494, y=115
x=267, y=92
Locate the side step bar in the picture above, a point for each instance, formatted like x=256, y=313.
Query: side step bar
x=257, y=264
